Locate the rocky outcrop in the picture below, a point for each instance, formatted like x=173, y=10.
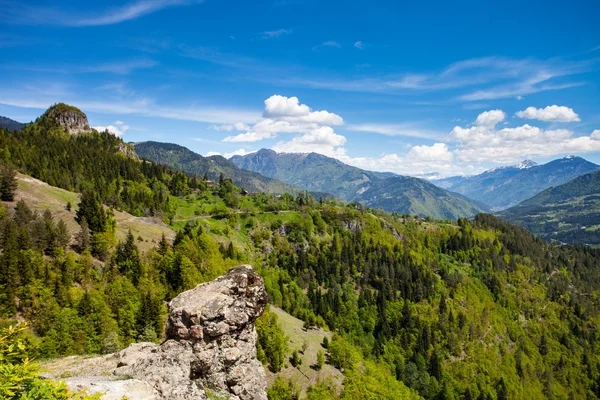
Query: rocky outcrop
x=71, y=119
x=210, y=346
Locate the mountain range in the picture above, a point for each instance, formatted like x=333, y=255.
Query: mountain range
x=10, y=124
x=569, y=213
x=182, y=158
x=390, y=192
x=504, y=187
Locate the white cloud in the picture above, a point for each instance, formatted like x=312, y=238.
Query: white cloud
x=321, y=140
x=329, y=43
x=118, y=129
x=485, y=143
x=437, y=152
x=595, y=135
x=275, y=34
x=550, y=114
x=286, y=115
x=213, y=153
x=359, y=45
x=490, y=118
x=238, y=152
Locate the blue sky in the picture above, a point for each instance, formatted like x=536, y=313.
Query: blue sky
x=448, y=87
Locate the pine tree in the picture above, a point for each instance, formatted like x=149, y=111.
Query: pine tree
x=8, y=183
x=63, y=237
x=320, y=359
x=83, y=237
x=163, y=245
x=91, y=208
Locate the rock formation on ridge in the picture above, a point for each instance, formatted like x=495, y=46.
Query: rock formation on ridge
x=211, y=345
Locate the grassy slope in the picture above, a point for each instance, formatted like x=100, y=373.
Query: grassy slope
x=305, y=375
x=40, y=196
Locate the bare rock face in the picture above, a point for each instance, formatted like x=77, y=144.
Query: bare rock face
x=71, y=119
x=211, y=342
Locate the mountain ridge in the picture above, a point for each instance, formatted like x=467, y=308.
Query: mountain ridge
x=568, y=213
x=504, y=187
x=180, y=157
x=394, y=193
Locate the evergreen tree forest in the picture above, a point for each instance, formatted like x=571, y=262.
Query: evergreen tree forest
x=467, y=309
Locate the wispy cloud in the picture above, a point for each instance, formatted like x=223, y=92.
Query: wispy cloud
x=480, y=79
x=275, y=34
x=409, y=130
x=117, y=67
x=133, y=105
x=329, y=43
x=17, y=12
x=360, y=45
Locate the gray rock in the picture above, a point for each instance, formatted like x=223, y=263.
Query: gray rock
x=211, y=342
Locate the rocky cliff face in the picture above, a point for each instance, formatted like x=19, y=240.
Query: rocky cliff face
x=71, y=119
x=210, y=347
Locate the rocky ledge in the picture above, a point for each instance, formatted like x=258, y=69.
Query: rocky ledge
x=210, y=347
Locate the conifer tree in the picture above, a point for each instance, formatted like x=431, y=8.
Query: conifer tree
x=8, y=182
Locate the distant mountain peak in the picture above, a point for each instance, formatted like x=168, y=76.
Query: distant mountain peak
x=525, y=164
x=570, y=157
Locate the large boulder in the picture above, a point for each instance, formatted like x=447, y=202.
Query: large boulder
x=211, y=342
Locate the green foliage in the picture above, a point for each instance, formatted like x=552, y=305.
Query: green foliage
x=19, y=375
x=283, y=390
x=568, y=213
x=272, y=342
x=8, y=182
x=320, y=359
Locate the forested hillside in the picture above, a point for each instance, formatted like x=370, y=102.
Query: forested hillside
x=417, y=309
x=179, y=157
x=569, y=213
x=387, y=191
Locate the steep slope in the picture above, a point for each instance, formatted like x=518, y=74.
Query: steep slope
x=417, y=196
x=180, y=157
x=10, y=124
x=379, y=190
x=39, y=196
x=569, y=213
x=504, y=187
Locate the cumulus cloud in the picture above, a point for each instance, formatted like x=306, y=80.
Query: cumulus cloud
x=118, y=128
x=437, y=152
x=483, y=142
x=419, y=161
x=321, y=140
x=287, y=115
x=490, y=118
x=550, y=114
